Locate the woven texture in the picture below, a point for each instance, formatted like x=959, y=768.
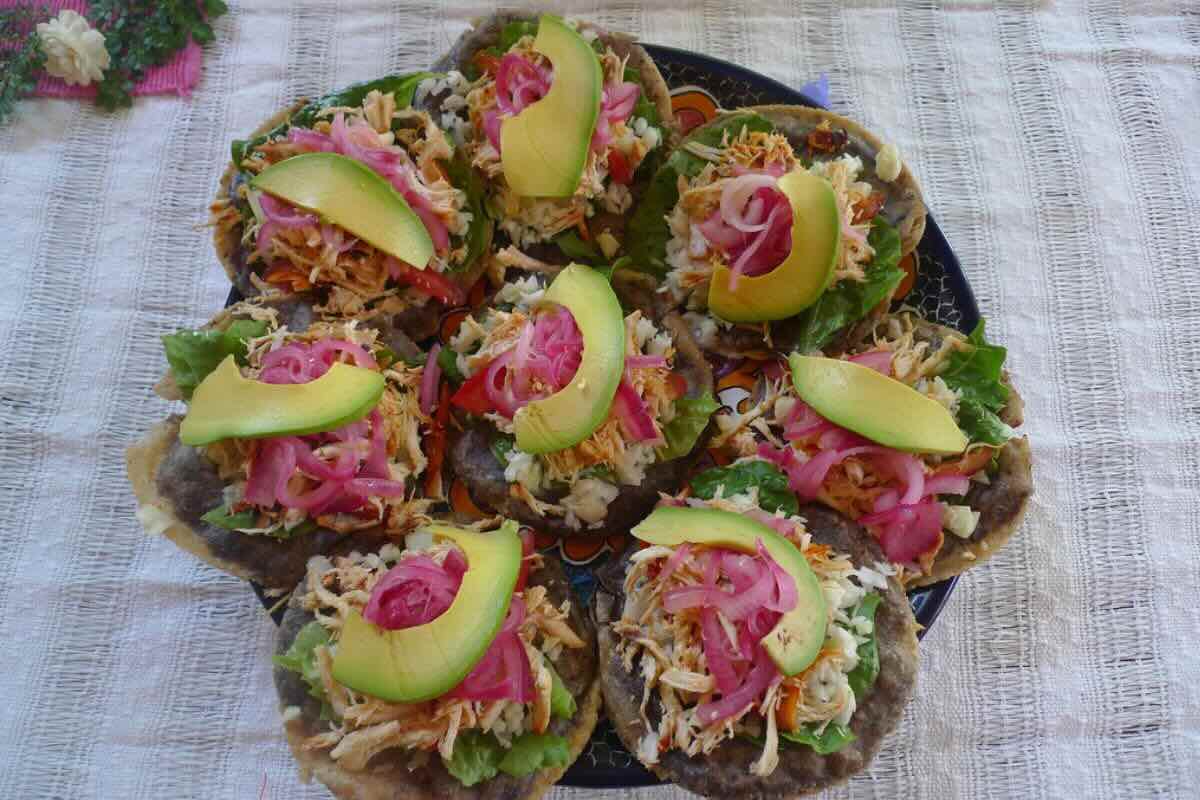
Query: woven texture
x=1056, y=144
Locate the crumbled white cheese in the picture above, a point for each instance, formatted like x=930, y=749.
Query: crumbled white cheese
x=589, y=500
x=887, y=163
x=524, y=469
x=960, y=520
x=523, y=293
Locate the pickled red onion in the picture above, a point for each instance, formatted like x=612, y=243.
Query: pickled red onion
x=878, y=360
x=430, y=377
x=633, y=414
x=758, y=680
x=503, y=673
x=415, y=591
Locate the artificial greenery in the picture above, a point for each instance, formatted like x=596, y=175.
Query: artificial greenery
x=140, y=34
x=21, y=56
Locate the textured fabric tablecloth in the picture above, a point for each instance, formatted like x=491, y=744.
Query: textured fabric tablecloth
x=1057, y=146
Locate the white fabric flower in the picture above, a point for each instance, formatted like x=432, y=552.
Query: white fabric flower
x=74, y=51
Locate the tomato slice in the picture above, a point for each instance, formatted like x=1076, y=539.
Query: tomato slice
x=619, y=168
x=526, y=552
x=430, y=283
x=487, y=63
x=472, y=395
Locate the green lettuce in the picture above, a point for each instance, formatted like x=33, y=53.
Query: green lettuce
x=830, y=740
x=976, y=376
x=448, y=360
x=403, y=86
x=221, y=517
x=501, y=446
x=512, y=33
x=682, y=432
x=576, y=249
x=647, y=233
x=478, y=235
x=533, y=751
x=301, y=658
x=562, y=702
x=193, y=354
x=479, y=756
x=863, y=676
x=773, y=490
x=846, y=302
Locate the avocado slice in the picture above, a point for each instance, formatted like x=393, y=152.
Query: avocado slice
x=544, y=148
x=411, y=665
x=571, y=414
x=225, y=405
x=873, y=405
x=352, y=196
x=796, y=639
x=796, y=283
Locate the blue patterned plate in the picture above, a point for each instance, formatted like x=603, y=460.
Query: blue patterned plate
x=699, y=86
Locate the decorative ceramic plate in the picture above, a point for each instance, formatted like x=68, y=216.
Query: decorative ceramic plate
x=699, y=86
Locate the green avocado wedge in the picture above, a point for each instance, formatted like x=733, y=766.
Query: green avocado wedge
x=873, y=405
x=350, y=195
x=544, y=148
x=226, y=405
x=571, y=414
x=411, y=665
x=796, y=283
x=795, y=641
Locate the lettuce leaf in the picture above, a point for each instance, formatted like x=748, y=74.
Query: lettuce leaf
x=577, y=249
x=301, y=658
x=975, y=375
x=773, y=490
x=221, y=517
x=192, y=354
x=478, y=234
x=981, y=424
x=846, y=302
x=562, y=702
x=531, y=752
x=511, y=33
x=832, y=739
x=682, y=432
x=448, y=360
x=647, y=234
x=863, y=676
x=478, y=756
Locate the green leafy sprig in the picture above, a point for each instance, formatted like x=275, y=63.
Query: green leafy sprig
x=21, y=56
x=141, y=34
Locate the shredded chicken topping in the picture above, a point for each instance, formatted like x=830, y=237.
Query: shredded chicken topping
x=401, y=416
x=693, y=259
x=366, y=725
x=608, y=457
x=325, y=255
x=666, y=650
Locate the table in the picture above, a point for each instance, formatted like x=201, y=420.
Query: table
x=1056, y=144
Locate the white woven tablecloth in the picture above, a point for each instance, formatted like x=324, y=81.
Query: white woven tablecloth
x=1057, y=146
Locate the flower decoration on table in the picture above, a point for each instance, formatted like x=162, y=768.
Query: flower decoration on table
x=74, y=49
x=108, y=50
